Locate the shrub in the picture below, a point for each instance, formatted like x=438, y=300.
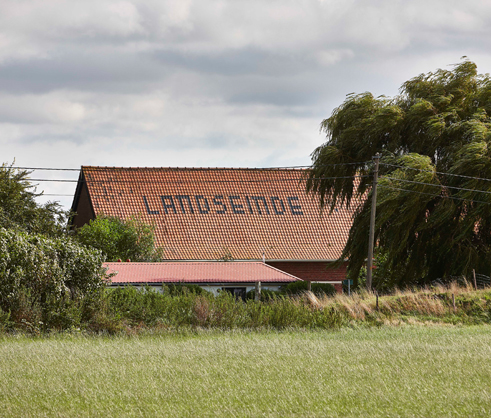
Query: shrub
x=40, y=277
x=266, y=294
x=319, y=289
x=120, y=239
x=179, y=289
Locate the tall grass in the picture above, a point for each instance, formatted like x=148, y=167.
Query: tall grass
x=436, y=303
x=127, y=306
x=129, y=310
x=389, y=372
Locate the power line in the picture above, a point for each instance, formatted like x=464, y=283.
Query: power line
x=95, y=168
x=99, y=168
x=111, y=181
x=331, y=165
x=433, y=195
x=55, y=180
x=54, y=194
x=112, y=193
x=438, y=185
x=44, y=168
x=437, y=172
x=139, y=181
x=99, y=183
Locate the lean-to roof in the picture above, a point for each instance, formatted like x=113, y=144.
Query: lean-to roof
x=211, y=272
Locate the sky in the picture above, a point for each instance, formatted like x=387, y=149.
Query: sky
x=207, y=83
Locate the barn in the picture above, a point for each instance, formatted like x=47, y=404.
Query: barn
x=210, y=214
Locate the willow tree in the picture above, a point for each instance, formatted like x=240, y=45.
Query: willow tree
x=434, y=196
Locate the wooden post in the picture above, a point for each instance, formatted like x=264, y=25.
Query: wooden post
x=376, y=303
x=258, y=291
x=475, y=281
x=309, y=286
x=453, y=303
x=371, y=237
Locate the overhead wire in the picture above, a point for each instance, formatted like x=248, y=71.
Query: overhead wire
x=54, y=194
x=183, y=168
x=433, y=195
x=201, y=181
x=437, y=185
x=109, y=181
x=55, y=180
x=43, y=168
x=435, y=172
x=102, y=182
x=102, y=168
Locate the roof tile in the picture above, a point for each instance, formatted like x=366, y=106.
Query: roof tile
x=211, y=214
x=197, y=272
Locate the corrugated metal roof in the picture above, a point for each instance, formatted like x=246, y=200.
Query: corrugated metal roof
x=211, y=214
x=197, y=272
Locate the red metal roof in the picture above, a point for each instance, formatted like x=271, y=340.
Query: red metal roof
x=212, y=214
x=198, y=272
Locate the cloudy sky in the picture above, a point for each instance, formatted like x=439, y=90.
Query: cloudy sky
x=206, y=83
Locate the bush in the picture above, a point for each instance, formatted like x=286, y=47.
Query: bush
x=120, y=239
x=138, y=308
x=266, y=294
x=42, y=278
x=319, y=289
x=180, y=289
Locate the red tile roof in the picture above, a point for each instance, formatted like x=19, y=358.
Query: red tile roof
x=211, y=214
x=198, y=272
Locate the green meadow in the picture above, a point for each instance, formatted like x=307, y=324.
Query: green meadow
x=400, y=371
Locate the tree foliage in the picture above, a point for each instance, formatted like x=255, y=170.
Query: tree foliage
x=120, y=239
x=44, y=274
x=19, y=209
x=434, y=197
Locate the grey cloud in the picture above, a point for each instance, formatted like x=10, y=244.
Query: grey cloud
x=235, y=62
x=98, y=71
x=224, y=83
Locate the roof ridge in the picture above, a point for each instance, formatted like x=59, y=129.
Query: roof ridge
x=186, y=262
x=297, y=168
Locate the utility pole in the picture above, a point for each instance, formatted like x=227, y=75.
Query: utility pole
x=371, y=238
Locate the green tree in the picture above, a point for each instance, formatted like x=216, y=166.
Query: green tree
x=41, y=277
x=19, y=209
x=120, y=239
x=434, y=201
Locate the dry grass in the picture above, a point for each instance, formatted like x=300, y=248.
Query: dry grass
x=435, y=301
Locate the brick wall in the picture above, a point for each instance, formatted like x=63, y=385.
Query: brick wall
x=313, y=271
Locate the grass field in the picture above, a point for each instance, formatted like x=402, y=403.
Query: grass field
x=434, y=371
